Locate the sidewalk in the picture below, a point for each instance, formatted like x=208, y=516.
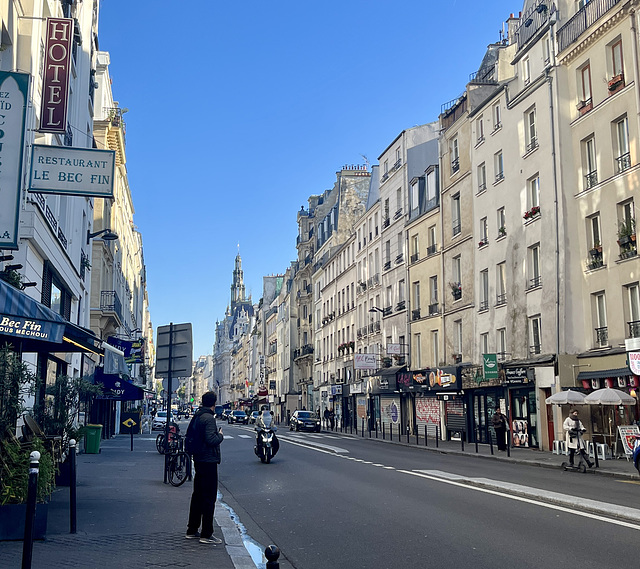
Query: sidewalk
x=619, y=468
x=127, y=517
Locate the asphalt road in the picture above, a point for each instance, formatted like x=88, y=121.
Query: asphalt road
x=329, y=500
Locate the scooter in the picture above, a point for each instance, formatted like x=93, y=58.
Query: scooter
x=582, y=462
x=264, y=448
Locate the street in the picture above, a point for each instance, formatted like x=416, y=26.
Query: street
x=329, y=500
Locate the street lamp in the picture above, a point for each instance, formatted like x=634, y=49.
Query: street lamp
x=375, y=309
x=108, y=235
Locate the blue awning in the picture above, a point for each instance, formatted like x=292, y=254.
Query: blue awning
x=37, y=328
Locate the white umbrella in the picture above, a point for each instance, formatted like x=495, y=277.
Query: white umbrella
x=568, y=397
x=609, y=396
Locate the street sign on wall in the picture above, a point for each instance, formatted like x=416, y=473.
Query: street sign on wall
x=13, y=103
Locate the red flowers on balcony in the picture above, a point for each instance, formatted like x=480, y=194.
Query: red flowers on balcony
x=535, y=210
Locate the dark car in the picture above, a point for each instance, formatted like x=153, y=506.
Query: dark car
x=238, y=417
x=304, y=421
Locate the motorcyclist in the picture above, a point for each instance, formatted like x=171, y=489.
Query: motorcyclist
x=265, y=422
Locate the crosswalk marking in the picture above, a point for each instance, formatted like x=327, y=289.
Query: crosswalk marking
x=245, y=436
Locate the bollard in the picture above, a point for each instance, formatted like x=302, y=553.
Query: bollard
x=72, y=486
x=272, y=553
x=462, y=434
x=131, y=429
x=509, y=439
x=383, y=430
x=437, y=434
x=391, y=432
x=490, y=440
x=426, y=436
x=408, y=430
x=477, y=435
x=32, y=493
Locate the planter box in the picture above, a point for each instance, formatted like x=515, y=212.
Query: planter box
x=12, y=518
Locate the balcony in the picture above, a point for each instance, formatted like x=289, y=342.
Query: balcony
x=386, y=266
x=386, y=221
x=397, y=214
x=533, y=144
x=415, y=257
x=401, y=305
x=534, y=350
x=399, y=258
x=387, y=310
x=624, y=162
x=590, y=179
x=434, y=309
x=634, y=329
x=455, y=165
x=501, y=299
x=595, y=258
x=432, y=249
x=590, y=13
x=456, y=227
x=482, y=187
x=484, y=305
x=535, y=282
x=415, y=314
x=499, y=177
x=602, y=337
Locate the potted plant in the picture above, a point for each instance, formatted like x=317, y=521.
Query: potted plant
x=616, y=82
x=596, y=250
x=456, y=290
x=627, y=231
x=502, y=231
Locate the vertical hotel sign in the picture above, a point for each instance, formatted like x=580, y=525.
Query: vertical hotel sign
x=57, y=68
x=14, y=88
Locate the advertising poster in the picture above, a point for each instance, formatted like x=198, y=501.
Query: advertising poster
x=627, y=436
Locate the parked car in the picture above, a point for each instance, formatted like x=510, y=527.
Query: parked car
x=159, y=421
x=219, y=411
x=238, y=417
x=304, y=420
x=254, y=415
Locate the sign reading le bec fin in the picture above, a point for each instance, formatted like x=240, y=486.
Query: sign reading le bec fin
x=177, y=340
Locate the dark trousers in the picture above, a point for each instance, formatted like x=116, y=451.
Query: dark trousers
x=203, y=499
x=500, y=438
x=583, y=454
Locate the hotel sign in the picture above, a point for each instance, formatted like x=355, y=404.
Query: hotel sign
x=72, y=171
x=57, y=69
x=14, y=88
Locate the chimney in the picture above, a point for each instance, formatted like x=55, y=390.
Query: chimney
x=512, y=25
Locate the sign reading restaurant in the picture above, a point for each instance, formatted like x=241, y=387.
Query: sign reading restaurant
x=72, y=171
x=13, y=103
x=57, y=69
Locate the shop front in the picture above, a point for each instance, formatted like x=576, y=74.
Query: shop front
x=384, y=400
x=520, y=383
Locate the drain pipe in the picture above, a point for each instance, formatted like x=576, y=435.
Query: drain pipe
x=636, y=67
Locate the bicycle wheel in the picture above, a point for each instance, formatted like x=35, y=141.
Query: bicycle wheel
x=179, y=467
x=160, y=443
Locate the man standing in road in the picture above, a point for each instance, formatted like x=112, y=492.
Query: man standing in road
x=205, y=482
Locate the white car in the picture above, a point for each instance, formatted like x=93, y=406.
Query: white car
x=159, y=421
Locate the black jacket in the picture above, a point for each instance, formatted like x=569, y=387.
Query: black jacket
x=208, y=430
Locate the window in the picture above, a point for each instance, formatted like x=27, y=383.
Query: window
x=416, y=300
x=502, y=343
x=584, y=86
x=415, y=196
x=414, y=249
x=479, y=130
x=455, y=156
x=455, y=215
x=501, y=283
x=389, y=297
x=484, y=289
x=633, y=296
x=457, y=331
x=623, y=158
x=497, y=116
x=616, y=58
x=533, y=193
x=535, y=335
x=501, y=222
x=600, y=318
x=400, y=255
x=456, y=265
x=417, y=353
x=535, y=280
x=484, y=343
x=398, y=161
x=431, y=248
x=546, y=49
x=433, y=295
x=531, y=134
x=398, y=203
x=484, y=232
x=482, y=177
x=589, y=162
x=387, y=254
x=401, y=293
x=593, y=228
x=435, y=348
x=498, y=166
x=526, y=71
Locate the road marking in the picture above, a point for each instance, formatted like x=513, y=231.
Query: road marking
x=629, y=481
x=245, y=436
x=319, y=447
x=454, y=480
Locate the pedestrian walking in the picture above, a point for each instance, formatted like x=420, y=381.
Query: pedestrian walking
x=326, y=417
x=500, y=425
x=332, y=418
x=206, y=458
x=574, y=429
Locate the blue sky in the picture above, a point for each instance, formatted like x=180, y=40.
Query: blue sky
x=239, y=111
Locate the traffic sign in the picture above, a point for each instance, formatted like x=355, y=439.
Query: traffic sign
x=174, y=340
x=129, y=423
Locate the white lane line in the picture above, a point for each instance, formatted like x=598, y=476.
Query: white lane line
x=390, y=468
x=522, y=499
x=245, y=436
x=335, y=451
x=378, y=464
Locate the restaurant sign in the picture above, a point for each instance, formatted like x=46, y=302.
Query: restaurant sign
x=20, y=327
x=13, y=103
x=515, y=375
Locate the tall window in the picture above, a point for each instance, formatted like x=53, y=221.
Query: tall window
x=531, y=131
x=535, y=279
x=600, y=317
x=398, y=201
x=593, y=225
x=455, y=155
x=435, y=348
x=526, y=71
x=414, y=249
x=400, y=242
x=431, y=248
x=501, y=222
x=484, y=289
x=546, y=49
x=416, y=298
x=501, y=283
x=589, y=162
x=484, y=231
x=633, y=295
x=622, y=142
x=484, y=343
x=387, y=254
x=501, y=334
x=616, y=58
x=498, y=166
x=535, y=335
x=497, y=116
x=585, y=84
x=415, y=196
x=456, y=269
x=457, y=331
x=479, y=130
x=401, y=291
x=389, y=296
x=417, y=352
x=533, y=196
x=455, y=215
x=482, y=177
x=433, y=295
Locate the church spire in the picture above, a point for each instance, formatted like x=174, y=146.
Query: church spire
x=237, y=287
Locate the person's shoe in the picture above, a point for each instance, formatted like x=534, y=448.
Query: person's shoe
x=213, y=540
x=195, y=535
x=589, y=464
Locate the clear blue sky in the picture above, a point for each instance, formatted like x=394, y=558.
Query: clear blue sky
x=238, y=111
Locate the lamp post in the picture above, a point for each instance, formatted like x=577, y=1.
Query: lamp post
x=108, y=235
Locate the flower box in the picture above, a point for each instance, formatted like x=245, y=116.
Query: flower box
x=616, y=83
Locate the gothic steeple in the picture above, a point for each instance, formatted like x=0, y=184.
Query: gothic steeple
x=237, y=287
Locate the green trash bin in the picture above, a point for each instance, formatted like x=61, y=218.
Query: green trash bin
x=92, y=439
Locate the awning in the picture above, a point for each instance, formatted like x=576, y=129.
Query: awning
x=602, y=373
x=386, y=371
x=34, y=327
x=117, y=389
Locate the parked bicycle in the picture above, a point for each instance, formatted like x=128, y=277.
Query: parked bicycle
x=174, y=435
x=178, y=463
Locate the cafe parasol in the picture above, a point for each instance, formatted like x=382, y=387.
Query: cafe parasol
x=568, y=397
x=611, y=397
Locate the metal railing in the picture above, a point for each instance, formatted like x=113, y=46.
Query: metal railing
x=602, y=336
x=584, y=18
x=634, y=329
x=109, y=300
x=501, y=299
x=624, y=162
x=591, y=179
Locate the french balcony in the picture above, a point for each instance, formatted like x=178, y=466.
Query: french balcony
x=501, y=299
x=590, y=179
x=386, y=221
x=624, y=162
x=534, y=350
x=386, y=266
x=535, y=282
x=415, y=257
x=634, y=329
x=434, y=309
x=401, y=305
x=456, y=228
x=455, y=165
x=484, y=305
x=387, y=310
x=397, y=214
x=432, y=249
x=595, y=260
x=415, y=314
x=532, y=145
x=602, y=337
